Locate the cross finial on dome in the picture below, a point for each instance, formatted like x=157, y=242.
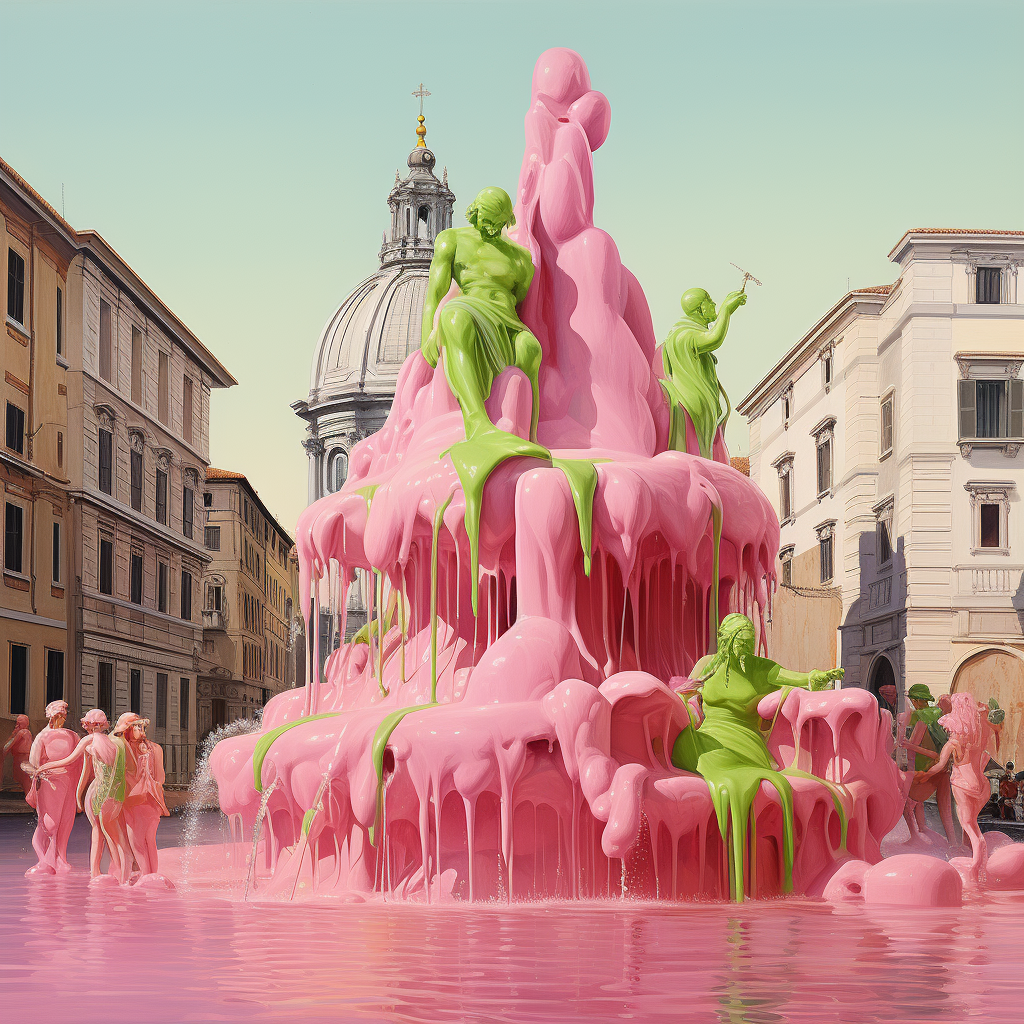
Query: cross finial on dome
x=421, y=130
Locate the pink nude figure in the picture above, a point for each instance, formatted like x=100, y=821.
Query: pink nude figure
x=51, y=793
x=922, y=787
x=110, y=760
x=969, y=736
x=18, y=745
x=144, y=803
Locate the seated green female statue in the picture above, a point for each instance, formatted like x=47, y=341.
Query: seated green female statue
x=479, y=331
x=729, y=750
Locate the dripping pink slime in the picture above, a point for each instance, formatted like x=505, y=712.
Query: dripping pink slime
x=545, y=768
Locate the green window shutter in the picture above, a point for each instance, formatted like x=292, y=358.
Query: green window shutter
x=1017, y=408
x=968, y=408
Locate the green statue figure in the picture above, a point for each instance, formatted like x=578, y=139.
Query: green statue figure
x=688, y=356
x=728, y=748
x=479, y=331
x=480, y=335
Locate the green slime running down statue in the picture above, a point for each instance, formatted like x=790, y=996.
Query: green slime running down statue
x=729, y=750
x=688, y=356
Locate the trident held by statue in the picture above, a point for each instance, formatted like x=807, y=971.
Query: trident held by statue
x=747, y=276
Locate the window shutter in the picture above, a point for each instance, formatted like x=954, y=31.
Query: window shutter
x=1017, y=408
x=968, y=408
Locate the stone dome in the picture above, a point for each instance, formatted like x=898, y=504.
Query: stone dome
x=364, y=344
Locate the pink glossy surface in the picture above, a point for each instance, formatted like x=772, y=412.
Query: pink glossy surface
x=205, y=956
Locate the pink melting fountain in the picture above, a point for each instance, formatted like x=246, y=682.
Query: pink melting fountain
x=560, y=693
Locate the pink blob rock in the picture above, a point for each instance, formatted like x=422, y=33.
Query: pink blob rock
x=996, y=840
x=912, y=880
x=1005, y=867
x=155, y=883
x=847, y=884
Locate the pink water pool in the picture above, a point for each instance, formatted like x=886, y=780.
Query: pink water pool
x=71, y=953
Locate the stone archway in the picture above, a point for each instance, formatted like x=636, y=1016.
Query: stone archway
x=998, y=673
x=882, y=674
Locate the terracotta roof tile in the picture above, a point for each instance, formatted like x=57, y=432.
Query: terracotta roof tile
x=962, y=231
x=740, y=462
x=223, y=474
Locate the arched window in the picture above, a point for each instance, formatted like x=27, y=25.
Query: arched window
x=337, y=470
x=423, y=215
x=408, y=220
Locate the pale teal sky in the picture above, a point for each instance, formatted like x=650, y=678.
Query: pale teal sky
x=239, y=155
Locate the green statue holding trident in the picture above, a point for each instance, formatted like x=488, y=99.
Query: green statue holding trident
x=688, y=356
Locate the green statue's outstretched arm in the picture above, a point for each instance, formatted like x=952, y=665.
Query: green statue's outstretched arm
x=816, y=680
x=438, y=283
x=715, y=335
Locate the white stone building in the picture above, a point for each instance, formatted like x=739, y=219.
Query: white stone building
x=888, y=439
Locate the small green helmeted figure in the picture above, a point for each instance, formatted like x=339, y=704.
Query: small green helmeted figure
x=688, y=356
x=729, y=747
x=479, y=331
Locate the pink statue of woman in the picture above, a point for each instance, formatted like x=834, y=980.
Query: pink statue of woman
x=51, y=793
x=111, y=758
x=144, y=805
x=969, y=736
x=18, y=745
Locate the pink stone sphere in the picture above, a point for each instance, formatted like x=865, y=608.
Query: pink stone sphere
x=913, y=880
x=1005, y=867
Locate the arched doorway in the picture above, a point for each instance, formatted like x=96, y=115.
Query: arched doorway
x=880, y=679
x=998, y=673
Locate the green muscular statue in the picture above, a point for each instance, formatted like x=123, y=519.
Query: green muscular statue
x=689, y=360
x=479, y=331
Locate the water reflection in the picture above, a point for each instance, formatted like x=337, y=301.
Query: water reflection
x=209, y=956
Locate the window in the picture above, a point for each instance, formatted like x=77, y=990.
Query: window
x=786, y=559
x=163, y=394
x=827, y=363
x=161, y=586
x=54, y=675
x=186, y=595
x=161, y=700
x=784, y=465
x=136, y=365
x=989, y=523
x=825, y=534
x=15, y=286
x=105, y=341
x=135, y=675
x=987, y=287
x=55, y=554
x=136, y=480
x=991, y=408
x=823, y=435
x=60, y=449
x=106, y=461
x=60, y=322
x=884, y=537
x=106, y=565
x=187, y=511
x=214, y=597
x=183, y=702
x=19, y=679
x=105, y=689
x=161, y=497
x=338, y=470
x=787, y=405
x=207, y=499
x=212, y=538
x=885, y=425
x=136, y=590
x=14, y=530
x=186, y=410
x=15, y=429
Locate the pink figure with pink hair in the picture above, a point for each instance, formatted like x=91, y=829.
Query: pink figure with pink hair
x=970, y=734
x=18, y=745
x=51, y=792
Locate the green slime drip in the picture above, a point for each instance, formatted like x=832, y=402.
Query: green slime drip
x=264, y=743
x=728, y=749
x=582, y=477
x=384, y=731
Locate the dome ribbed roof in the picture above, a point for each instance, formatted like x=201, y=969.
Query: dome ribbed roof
x=363, y=345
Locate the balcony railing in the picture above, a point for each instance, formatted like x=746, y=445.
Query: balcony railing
x=213, y=619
